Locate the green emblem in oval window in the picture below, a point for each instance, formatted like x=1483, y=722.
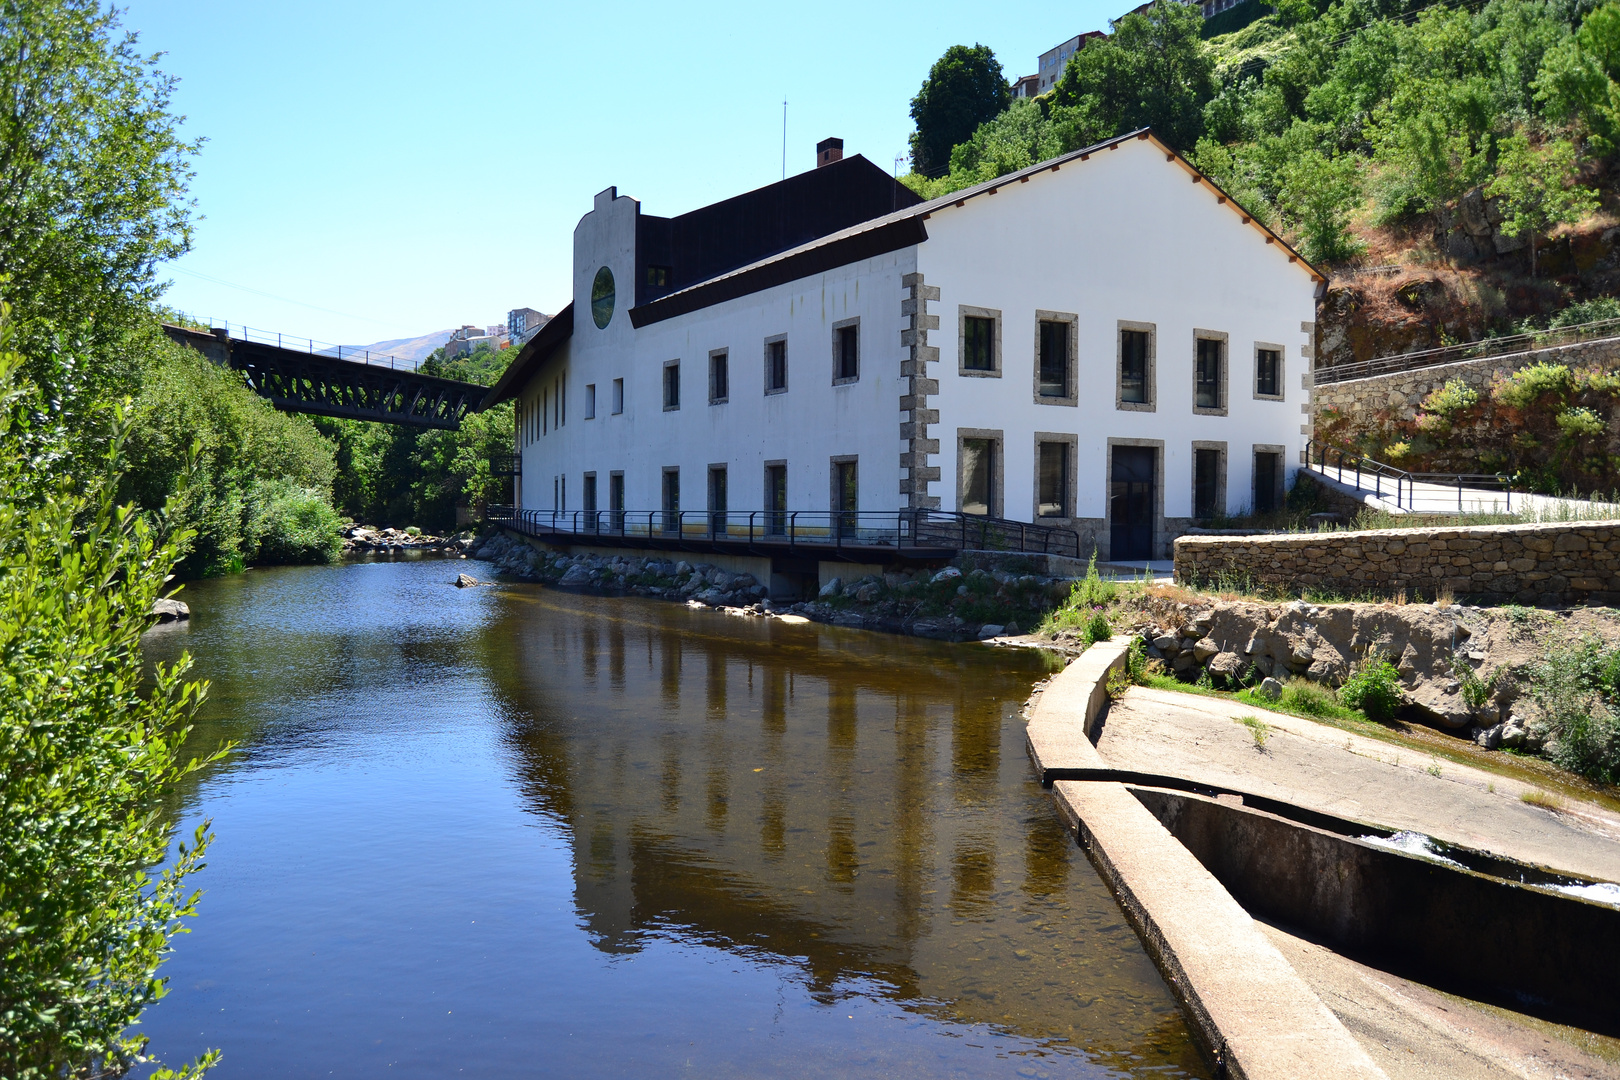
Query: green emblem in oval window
x=602, y=298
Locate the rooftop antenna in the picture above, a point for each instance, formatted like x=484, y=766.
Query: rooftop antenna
x=784, y=138
x=898, y=158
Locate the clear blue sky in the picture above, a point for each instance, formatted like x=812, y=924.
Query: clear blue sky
x=385, y=170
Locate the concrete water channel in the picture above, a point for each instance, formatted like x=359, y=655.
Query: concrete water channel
x=514, y=831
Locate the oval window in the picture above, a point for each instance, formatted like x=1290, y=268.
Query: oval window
x=602, y=298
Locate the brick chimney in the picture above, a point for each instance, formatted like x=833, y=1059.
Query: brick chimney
x=829, y=151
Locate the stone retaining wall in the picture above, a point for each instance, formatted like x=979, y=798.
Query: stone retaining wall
x=1529, y=564
x=1397, y=396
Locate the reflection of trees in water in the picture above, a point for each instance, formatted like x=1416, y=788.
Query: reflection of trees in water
x=708, y=799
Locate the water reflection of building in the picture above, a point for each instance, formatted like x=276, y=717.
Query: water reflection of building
x=866, y=813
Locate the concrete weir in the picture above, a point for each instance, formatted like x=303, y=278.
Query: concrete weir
x=1257, y=1018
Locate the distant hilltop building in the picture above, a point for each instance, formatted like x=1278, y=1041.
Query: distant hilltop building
x=1055, y=59
x=1051, y=65
x=467, y=338
x=523, y=323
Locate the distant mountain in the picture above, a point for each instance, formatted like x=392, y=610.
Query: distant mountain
x=416, y=348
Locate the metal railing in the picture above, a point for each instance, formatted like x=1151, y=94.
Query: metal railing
x=351, y=353
x=1601, y=330
x=794, y=529
x=1387, y=481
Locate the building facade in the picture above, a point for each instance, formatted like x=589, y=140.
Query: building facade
x=523, y=323
x=1104, y=342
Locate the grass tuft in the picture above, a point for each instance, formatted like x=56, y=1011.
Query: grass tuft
x=1257, y=727
x=1544, y=799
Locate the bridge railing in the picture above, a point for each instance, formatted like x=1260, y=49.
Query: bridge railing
x=795, y=529
x=1598, y=330
x=353, y=354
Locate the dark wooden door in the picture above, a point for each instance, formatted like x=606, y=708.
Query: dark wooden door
x=1130, y=503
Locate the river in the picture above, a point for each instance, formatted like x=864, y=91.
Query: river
x=513, y=831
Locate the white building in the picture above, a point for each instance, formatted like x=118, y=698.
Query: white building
x=1103, y=342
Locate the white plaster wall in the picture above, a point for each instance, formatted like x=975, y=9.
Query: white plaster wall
x=1123, y=235
x=806, y=426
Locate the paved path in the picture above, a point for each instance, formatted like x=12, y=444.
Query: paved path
x=1322, y=768
x=1425, y=497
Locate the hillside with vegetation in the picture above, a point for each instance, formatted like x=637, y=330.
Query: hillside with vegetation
x=1450, y=165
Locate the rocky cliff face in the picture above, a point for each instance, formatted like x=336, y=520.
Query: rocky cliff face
x=1472, y=281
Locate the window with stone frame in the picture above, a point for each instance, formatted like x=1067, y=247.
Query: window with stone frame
x=776, y=365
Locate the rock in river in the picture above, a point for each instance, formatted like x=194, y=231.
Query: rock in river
x=170, y=611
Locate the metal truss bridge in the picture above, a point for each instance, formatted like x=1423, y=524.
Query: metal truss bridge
x=303, y=376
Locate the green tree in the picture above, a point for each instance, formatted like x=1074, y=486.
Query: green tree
x=87, y=750
x=93, y=180
x=1021, y=136
x=1152, y=71
x=1537, y=189
x=964, y=88
x=390, y=474
x=261, y=478
x=1576, y=81
x=1316, y=194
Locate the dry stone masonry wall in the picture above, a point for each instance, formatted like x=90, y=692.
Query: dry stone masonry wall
x=1398, y=396
x=1528, y=564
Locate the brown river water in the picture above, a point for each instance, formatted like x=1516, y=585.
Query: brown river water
x=513, y=831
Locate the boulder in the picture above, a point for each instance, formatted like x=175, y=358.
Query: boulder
x=1490, y=738
x=869, y=592
x=465, y=581
x=990, y=630
x=946, y=574
x=1513, y=732
x=1227, y=664
x=1167, y=643
x=167, y=611
x=1270, y=689
x=576, y=575
x=832, y=588
x=1204, y=648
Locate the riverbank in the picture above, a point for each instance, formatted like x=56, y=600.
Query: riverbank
x=370, y=539
x=948, y=604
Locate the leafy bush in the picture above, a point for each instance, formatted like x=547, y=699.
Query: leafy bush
x=1577, y=688
x=1374, y=688
x=1097, y=628
x=87, y=750
x=204, y=444
x=1604, y=307
x=1530, y=385
x=1580, y=421
x=290, y=524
